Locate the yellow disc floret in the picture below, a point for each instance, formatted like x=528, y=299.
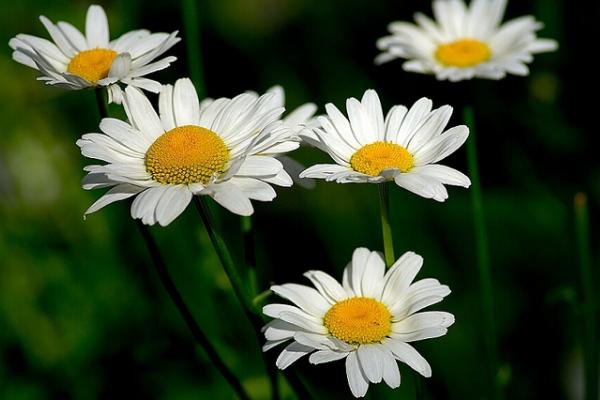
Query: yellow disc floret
x=92, y=65
x=187, y=154
x=358, y=320
x=463, y=53
x=376, y=157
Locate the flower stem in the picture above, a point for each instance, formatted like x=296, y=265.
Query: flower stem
x=248, y=304
x=187, y=316
x=483, y=259
x=102, y=108
x=384, y=208
x=191, y=27
x=590, y=343
x=250, y=261
x=249, y=253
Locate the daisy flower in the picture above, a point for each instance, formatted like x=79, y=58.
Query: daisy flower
x=368, y=320
x=224, y=151
x=299, y=120
x=465, y=42
x=77, y=61
x=403, y=147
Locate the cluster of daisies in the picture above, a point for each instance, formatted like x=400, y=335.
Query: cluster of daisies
x=233, y=150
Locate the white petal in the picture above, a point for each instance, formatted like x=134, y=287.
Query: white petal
x=357, y=380
x=307, y=298
x=357, y=269
x=329, y=288
x=185, y=103
x=413, y=120
x=144, y=205
x=232, y=198
x=254, y=188
x=141, y=113
x=372, y=106
x=172, y=203
x=120, y=66
x=259, y=166
x=391, y=372
x=323, y=171
x=444, y=174
x=119, y=192
x=423, y=320
x=431, y=128
x=372, y=281
x=408, y=355
x=363, y=127
x=370, y=361
x=400, y=276
x=442, y=146
x=393, y=122
x=73, y=35
x=304, y=323
x=292, y=353
x=422, y=185
x=96, y=27
x=165, y=107
x=325, y=356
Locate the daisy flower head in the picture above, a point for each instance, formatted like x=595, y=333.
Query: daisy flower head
x=368, y=320
x=224, y=150
x=77, y=61
x=465, y=42
x=405, y=146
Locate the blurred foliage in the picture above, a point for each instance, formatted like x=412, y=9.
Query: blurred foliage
x=82, y=314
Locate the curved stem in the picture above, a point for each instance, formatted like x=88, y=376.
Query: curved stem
x=250, y=309
x=187, y=316
x=483, y=259
x=386, y=228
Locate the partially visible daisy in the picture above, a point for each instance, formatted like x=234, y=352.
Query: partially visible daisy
x=404, y=147
x=465, y=42
x=223, y=151
x=299, y=120
x=368, y=320
x=77, y=61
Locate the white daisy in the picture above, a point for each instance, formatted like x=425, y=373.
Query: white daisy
x=465, y=42
x=77, y=61
x=300, y=120
x=224, y=151
x=369, y=319
x=404, y=147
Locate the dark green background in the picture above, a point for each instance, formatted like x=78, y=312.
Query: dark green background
x=83, y=315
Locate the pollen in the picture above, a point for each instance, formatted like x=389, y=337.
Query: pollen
x=358, y=320
x=376, y=157
x=92, y=65
x=187, y=154
x=463, y=53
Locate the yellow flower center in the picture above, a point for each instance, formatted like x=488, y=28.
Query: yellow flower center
x=358, y=320
x=187, y=154
x=463, y=53
x=376, y=157
x=92, y=65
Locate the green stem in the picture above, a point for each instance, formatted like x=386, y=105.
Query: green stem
x=231, y=270
x=590, y=343
x=239, y=288
x=249, y=253
x=102, y=108
x=191, y=26
x=483, y=260
x=386, y=228
x=186, y=314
